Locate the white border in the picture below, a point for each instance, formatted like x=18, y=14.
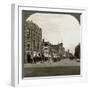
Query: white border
x=17, y=47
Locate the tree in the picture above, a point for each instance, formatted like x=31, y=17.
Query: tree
x=77, y=51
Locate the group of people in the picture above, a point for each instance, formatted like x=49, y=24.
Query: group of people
x=36, y=57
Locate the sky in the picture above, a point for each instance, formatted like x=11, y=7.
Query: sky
x=57, y=28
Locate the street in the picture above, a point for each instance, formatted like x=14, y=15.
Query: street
x=63, y=67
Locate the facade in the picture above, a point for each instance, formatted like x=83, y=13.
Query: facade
x=61, y=50
x=32, y=39
x=58, y=50
x=45, y=48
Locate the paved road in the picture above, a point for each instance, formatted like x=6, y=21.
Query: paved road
x=63, y=67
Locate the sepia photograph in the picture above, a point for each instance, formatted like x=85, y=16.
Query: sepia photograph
x=50, y=43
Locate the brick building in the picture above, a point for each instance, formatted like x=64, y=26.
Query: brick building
x=32, y=39
x=58, y=49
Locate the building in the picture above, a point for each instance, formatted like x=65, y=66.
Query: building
x=32, y=39
x=61, y=50
x=45, y=48
x=58, y=50
x=53, y=51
